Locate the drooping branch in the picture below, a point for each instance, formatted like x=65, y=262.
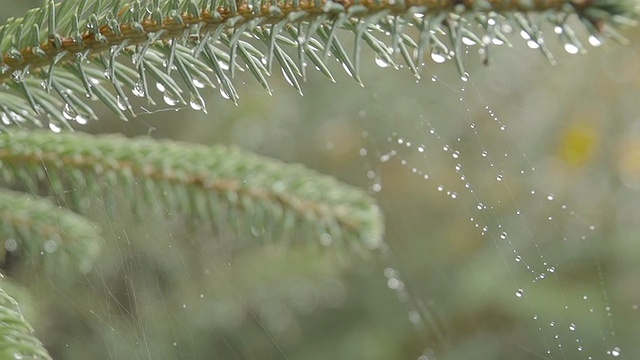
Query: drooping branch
x=59, y=55
x=199, y=181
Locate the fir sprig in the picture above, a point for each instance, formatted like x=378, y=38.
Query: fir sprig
x=40, y=234
x=60, y=54
x=16, y=335
x=214, y=183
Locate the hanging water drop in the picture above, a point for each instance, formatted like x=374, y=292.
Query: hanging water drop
x=615, y=352
x=468, y=41
x=381, y=62
x=81, y=120
x=223, y=65
x=532, y=44
x=160, y=87
x=197, y=103
x=519, y=293
x=122, y=103
x=55, y=128
x=224, y=93
x=465, y=76
x=438, y=58
x=198, y=83
x=571, y=48
x=68, y=112
x=11, y=245
x=503, y=235
x=595, y=41
x=50, y=246
x=169, y=100
x=138, y=89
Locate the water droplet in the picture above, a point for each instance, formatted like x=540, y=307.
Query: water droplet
x=572, y=327
x=223, y=65
x=465, y=76
x=484, y=154
x=11, y=245
x=550, y=197
x=169, y=100
x=414, y=317
x=456, y=154
x=160, y=87
x=595, y=41
x=16, y=76
x=68, y=112
x=519, y=293
x=615, y=352
x=438, y=58
x=198, y=83
x=571, y=48
x=122, y=103
x=381, y=62
x=197, y=103
x=504, y=235
x=55, y=128
x=224, y=93
x=138, y=89
x=499, y=178
x=468, y=41
x=532, y=44
x=50, y=246
x=326, y=239
x=81, y=120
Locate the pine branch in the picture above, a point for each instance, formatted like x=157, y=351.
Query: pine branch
x=197, y=180
x=16, y=335
x=44, y=235
x=59, y=55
